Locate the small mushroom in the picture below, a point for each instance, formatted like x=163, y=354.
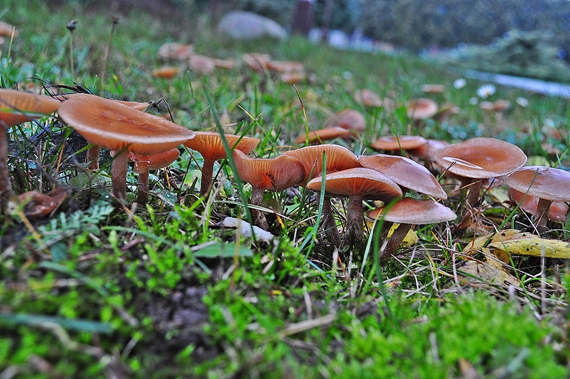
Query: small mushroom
x=121, y=129
x=274, y=174
x=326, y=134
x=357, y=184
x=421, y=109
x=433, y=89
x=398, y=143
x=347, y=119
x=409, y=212
x=211, y=147
x=201, y=64
x=338, y=158
x=368, y=98
x=545, y=183
x=143, y=163
x=17, y=107
x=556, y=212
x=166, y=72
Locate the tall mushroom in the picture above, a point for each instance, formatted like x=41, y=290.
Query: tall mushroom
x=211, y=147
x=348, y=119
x=338, y=158
x=480, y=158
x=274, y=174
x=398, y=143
x=121, y=129
x=357, y=184
x=546, y=183
x=17, y=107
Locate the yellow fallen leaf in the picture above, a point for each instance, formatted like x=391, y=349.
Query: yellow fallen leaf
x=478, y=243
x=534, y=246
x=410, y=240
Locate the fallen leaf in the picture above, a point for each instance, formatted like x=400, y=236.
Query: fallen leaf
x=529, y=244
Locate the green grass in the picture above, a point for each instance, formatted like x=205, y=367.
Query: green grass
x=135, y=291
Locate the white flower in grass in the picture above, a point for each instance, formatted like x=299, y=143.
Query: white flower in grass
x=347, y=75
x=473, y=100
x=459, y=83
x=486, y=90
x=523, y=102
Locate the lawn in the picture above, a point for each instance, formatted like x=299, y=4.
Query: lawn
x=107, y=288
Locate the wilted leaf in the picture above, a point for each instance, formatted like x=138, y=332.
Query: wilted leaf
x=529, y=244
x=490, y=271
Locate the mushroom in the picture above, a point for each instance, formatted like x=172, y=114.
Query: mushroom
x=274, y=174
x=347, y=119
x=404, y=172
x=211, y=147
x=257, y=62
x=175, y=50
x=121, y=129
x=143, y=163
x=398, y=143
x=285, y=66
x=409, y=212
x=326, y=134
x=368, y=98
x=427, y=151
x=17, y=107
x=357, y=184
x=420, y=109
x=433, y=89
x=166, y=72
x=201, y=64
x=556, y=212
x=480, y=158
x=338, y=158
x=545, y=183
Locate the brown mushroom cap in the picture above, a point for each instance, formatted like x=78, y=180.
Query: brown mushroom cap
x=326, y=134
x=433, y=88
x=201, y=64
x=19, y=106
x=543, y=182
x=156, y=161
x=293, y=77
x=116, y=126
x=394, y=143
x=347, y=119
x=166, y=72
x=175, y=50
x=284, y=66
x=257, y=62
x=557, y=211
x=405, y=172
x=368, y=98
x=211, y=147
x=368, y=183
x=481, y=158
x=419, y=109
x=337, y=158
x=415, y=212
x=428, y=149
x=274, y=174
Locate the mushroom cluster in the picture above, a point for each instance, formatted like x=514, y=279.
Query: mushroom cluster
x=409, y=191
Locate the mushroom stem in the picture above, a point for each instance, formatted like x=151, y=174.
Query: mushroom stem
x=354, y=223
x=257, y=215
x=207, y=174
x=92, y=157
x=390, y=246
x=142, y=194
x=329, y=225
x=119, y=174
x=541, y=214
x=474, y=192
x=5, y=185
